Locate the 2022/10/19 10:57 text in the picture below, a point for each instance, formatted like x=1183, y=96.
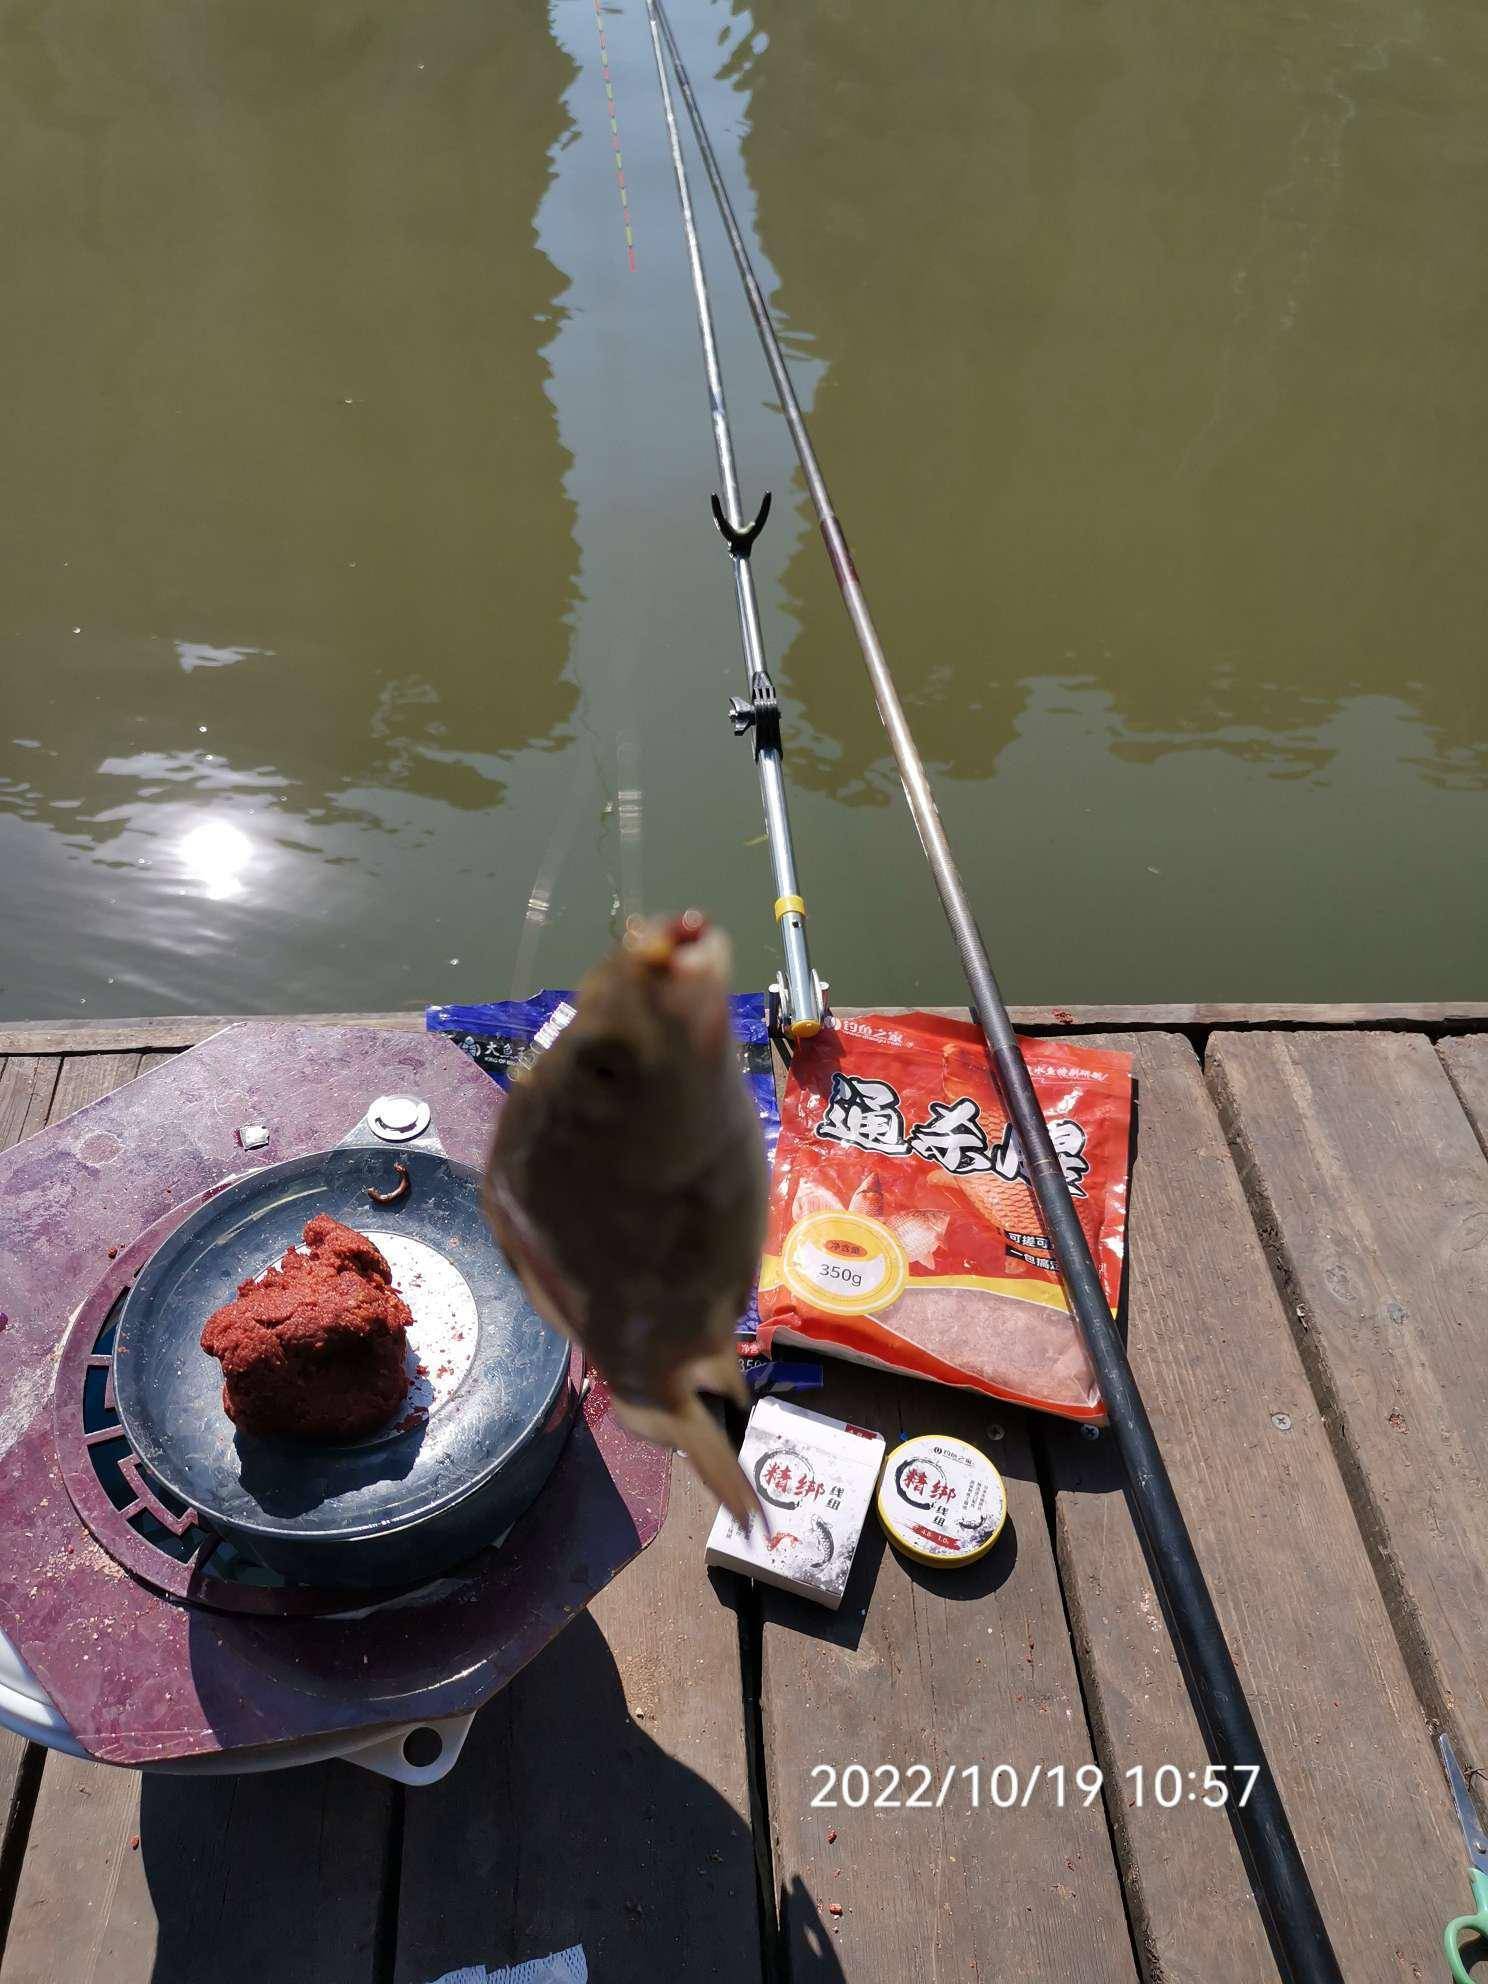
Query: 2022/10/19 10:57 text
x=1004, y=1788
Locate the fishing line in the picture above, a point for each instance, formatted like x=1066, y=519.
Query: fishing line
x=630, y=821
x=539, y=911
x=628, y=812
x=609, y=89
x=629, y=806
x=630, y=795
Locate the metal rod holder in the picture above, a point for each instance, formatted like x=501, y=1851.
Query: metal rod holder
x=801, y=992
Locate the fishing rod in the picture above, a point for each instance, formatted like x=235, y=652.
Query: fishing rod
x=1289, y=1909
x=800, y=992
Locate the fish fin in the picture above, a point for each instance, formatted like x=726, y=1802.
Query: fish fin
x=544, y=1291
x=812, y=1196
x=692, y=1428
x=719, y=1372
x=868, y=1197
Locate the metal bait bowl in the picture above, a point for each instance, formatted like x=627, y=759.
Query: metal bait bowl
x=488, y=1409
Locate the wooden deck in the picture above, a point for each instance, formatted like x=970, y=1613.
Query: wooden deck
x=1309, y=1288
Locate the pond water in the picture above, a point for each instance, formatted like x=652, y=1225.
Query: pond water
x=364, y=638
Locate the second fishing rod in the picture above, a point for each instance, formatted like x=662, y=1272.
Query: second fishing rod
x=1283, y=1892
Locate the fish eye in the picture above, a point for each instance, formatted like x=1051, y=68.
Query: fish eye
x=606, y=1062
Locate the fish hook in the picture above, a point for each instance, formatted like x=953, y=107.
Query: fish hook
x=399, y=1191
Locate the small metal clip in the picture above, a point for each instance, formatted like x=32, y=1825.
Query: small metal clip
x=761, y=714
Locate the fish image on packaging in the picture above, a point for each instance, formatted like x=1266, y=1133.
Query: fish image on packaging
x=814, y=1477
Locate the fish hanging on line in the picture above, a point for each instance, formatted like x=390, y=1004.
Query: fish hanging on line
x=627, y=1187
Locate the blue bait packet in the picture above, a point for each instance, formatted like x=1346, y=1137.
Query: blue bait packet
x=503, y=1036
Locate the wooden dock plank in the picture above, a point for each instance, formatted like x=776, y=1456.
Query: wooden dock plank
x=28, y=1101
x=1275, y=1531
x=1371, y=1188
x=27, y=1084
x=1466, y=1062
x=174, y=1031
x=169, y=1033
x=950, y=1669
x=167, y=1880
x=86, y=1078
x=602, y=1798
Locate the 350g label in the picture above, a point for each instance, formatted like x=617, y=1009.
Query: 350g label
x=1005, y=1788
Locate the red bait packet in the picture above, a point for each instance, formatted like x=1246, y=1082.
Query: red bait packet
x=903, y=1231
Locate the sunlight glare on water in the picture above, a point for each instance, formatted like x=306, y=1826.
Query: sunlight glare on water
x=215, y=855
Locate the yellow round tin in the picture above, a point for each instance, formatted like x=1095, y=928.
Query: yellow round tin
x=844, y=1262
x=941, y=1501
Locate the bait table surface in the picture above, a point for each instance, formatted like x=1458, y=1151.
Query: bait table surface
x=1307, y=1304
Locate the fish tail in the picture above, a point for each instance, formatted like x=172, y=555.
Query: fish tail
x=719, y=1372
x=692, y=1428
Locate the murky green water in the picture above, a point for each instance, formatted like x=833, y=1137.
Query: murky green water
x=357, y=560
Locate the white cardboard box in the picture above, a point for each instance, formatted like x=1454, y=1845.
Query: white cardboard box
x=815, y=1477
